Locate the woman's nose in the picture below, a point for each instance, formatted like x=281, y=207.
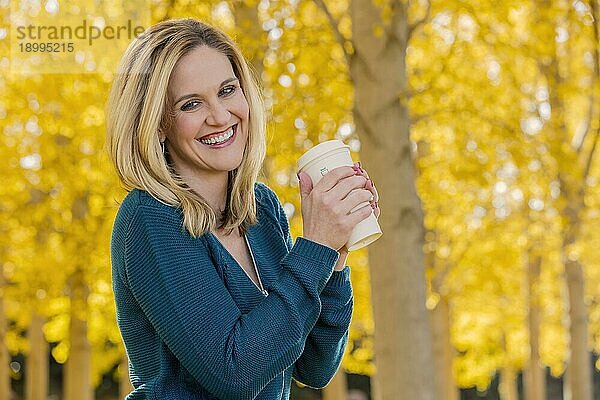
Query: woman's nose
x=219, y=114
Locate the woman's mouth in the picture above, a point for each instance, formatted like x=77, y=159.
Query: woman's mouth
x=223, y=140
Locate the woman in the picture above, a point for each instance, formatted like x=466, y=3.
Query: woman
x=213, y=299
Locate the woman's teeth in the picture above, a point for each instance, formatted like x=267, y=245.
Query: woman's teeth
x=222, y=138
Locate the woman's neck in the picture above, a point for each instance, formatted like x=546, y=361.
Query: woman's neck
x=211, y=186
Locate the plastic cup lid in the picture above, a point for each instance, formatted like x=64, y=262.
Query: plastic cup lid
x=319, y=149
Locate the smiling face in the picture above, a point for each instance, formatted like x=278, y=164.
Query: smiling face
x=210, y=124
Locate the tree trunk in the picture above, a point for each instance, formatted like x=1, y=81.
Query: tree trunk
x=36, y=365
x=4, y=356
x=578, y=377
x=125, y=386
x=77, y=373
x=508, y=384
x=534, y=376
x=578, y=385
x=77, y=384
x=252, y=37
x=572, y=178
x=337, y=388
x=572, y=182
x=442, y=347
x=403, y=346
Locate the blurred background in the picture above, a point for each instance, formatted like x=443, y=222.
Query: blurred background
x=478, y=122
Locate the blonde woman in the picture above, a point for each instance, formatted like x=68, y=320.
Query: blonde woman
x=214, y=301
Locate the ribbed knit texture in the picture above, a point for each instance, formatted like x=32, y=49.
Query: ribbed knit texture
x=196, y=327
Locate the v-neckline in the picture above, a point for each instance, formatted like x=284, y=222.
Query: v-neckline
x=260, y=285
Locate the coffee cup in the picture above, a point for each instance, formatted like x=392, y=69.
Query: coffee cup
x=321, y=159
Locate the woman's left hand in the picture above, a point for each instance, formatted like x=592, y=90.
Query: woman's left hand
x=369, y=186
x=376, y=211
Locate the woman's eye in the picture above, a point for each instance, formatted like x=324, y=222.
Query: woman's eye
x=190, y=105
x=228, y=90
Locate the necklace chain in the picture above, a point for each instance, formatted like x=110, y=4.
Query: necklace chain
x=262, y=289
x=259, y=286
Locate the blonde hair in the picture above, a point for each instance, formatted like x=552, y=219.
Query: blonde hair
x=139, y=109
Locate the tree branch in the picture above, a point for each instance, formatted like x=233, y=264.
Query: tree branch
x=588, y=163
x=596, y=15
x=334, y=23
x=417, y=24
x=578, y=139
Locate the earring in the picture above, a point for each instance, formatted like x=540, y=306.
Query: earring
x=162, y=147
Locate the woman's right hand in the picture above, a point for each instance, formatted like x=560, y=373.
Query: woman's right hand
x=326, y=206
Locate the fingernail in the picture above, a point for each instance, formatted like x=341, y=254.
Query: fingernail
x=369, y=182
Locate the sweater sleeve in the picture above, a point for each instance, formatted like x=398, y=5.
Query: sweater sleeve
x=232, y=355
x=327, y=340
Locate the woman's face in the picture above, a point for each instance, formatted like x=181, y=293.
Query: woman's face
x=211, y=114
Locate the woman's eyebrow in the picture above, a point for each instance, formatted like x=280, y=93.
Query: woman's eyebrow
x=187, y=96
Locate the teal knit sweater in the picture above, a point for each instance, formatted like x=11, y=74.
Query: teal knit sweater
x=196, y=327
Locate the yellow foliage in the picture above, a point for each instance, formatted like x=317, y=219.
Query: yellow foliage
x=500, y=139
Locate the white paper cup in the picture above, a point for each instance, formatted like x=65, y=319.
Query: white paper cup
x=321, y=159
